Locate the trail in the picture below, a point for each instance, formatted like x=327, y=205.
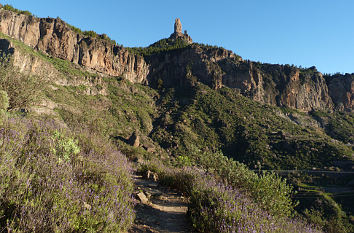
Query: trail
x=160, y=209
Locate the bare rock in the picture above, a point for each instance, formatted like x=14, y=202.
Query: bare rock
x=177, y=33
x=143, y=199
x=56, y=38
x=178, y=26
x=152, y=175
x=341, y=90
x=134, y=140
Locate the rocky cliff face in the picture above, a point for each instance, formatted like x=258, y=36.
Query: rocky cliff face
x=56, y=38
x=281, y=85
x=341, y=90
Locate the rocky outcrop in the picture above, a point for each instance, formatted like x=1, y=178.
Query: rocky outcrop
x=56, y=38
x=341, y=90
x=281, y=85
x=303, y=89
x=178, y=26
x=177, y=34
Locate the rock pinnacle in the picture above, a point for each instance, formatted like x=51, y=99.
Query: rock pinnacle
x=177, y=34
x=178, y=26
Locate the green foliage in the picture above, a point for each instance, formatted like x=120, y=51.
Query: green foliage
x=242, y=129
x=22, y=90
x=183, y=160
x=271, y=192
x=11, y=8
x=65, y=147
x=339, y=125
x=192, y=124
x=4, y=104
x=326, y=213
x=92, y=34
x=75, y=29
x=215, y=207
x=87, y=193
x=4, y=100
x=160, y=46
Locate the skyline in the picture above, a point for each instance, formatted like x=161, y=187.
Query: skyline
x=316, y=33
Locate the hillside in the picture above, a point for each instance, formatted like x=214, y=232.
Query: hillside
x=204, y=120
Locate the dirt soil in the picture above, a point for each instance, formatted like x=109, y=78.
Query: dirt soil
x=160, y=209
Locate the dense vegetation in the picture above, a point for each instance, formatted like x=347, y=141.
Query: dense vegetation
x=92, y=34
x=52, y=178
x=53, y=181
x=159, y=46
x=60, y=161
x=11, y=8
x=259, y=135
x=216, y=207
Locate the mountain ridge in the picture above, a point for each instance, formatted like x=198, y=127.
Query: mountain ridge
x=280, y=85
x=200, y=107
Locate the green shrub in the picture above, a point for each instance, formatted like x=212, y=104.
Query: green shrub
x=11, y=8
x=4, y=100
x=90, y=192
x=22, y=90
x=271, y=192
x=216, y=207
x=65, y=147
x=159, y=46
x=4, y=104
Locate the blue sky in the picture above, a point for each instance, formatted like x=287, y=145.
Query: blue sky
x=299, y=32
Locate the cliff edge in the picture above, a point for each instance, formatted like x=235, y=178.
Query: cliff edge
x=56, y=38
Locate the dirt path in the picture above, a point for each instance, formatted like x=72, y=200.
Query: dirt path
x=160, y=209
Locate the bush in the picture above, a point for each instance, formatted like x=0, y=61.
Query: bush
x=54, y=181
x=215, y=207
x=4, y=104
x=4, y=100
x=271, y=192
x=159, y=46
x=22, y=90
x=11, y=8
x=90, y=34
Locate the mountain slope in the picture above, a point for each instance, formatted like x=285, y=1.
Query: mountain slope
x=303, y=89
x=196, y=103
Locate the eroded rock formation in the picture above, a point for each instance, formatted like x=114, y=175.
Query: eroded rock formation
x=56, y=38
x=178, y=26
x=177, y=34
x=280, y=85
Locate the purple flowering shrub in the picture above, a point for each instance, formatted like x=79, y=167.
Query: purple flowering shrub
x=216, y=207
x=268, y=190
x=52, y=180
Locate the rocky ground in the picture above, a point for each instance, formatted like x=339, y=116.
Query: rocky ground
x=160, y=209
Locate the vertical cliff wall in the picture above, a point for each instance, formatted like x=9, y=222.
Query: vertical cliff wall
x=56, y=38
x=281, y=85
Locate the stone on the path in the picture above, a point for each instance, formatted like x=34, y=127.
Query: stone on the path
x=152, y=175
x=143, y=199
